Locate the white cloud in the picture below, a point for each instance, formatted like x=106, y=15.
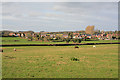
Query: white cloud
x=60, y=16
x=59, y=0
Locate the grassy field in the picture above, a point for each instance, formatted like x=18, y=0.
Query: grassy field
x=10, y=40
x=55, y=62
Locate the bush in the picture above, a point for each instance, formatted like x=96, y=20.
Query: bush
x=74, y=40
x=57, y=40
x=79, y=40
x=74, y=59
x=67, y=40
x=30, y=38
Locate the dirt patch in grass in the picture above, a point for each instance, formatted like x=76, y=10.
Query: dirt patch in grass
x=2, y=53
x=51, y=57
x=3, y=48
x=30, y=61
x=61, y=62
x=83, y=57
x=34, y=56
x=19, y=49
x=48, y=56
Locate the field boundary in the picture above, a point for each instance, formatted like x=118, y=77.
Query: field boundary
x=67, y=44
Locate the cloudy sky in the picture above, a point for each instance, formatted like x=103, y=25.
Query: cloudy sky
x=59, y=16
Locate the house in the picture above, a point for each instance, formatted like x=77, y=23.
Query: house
x=93, y=36
x=65, y=35
x=99, y=36
x=75, y=34
x=83, y=35
x=109, y=36
x=79, y=37
x=60, y=35
x=22, y=35
x=43, y=35
x=11, y=34
x=14, y=34
x=88, y=36
x=52, y=35
x=18, y=34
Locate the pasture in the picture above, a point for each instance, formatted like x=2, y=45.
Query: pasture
x=18, y=40
x=55, y=62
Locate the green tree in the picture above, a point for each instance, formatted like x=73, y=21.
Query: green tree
x=67, y=40
x=70, y=35
x=20, y=34
x=79, y=40
x=23, y=34
x=30, y=38
x=74, y=40
x=38, y=37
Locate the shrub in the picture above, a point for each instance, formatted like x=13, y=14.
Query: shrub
x=74, y=59
x=57, y=40
x=74, y=40
x=30, y=38
x=79, y=40
x=67, y=40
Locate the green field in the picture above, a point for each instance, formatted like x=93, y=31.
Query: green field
x=10, y=40
x=55, y=62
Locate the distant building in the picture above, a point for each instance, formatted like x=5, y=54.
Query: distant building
x=88, y=36
x=52, y=35
x=75, y=34
x=11, y=34
x=43, y=35
x=65, y=35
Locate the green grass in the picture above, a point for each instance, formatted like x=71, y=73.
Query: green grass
x=10, y=40
x=55, y=62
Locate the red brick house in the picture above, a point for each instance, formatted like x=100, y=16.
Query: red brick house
x=11, y=34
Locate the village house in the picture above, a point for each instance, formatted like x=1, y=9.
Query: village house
x=88, y=36
x=76, y=35
x=93, y=36
x=109, y=36
x=98, y=36
x=43, y=35
x=34, y=35
x=18, y=34
x=79, y=37
x=52, y=35
x=22, y=35
x=83, y=35
x=11, y=34
x=65, y=35
x=59, y=35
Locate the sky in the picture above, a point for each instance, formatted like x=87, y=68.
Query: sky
x=59, y=16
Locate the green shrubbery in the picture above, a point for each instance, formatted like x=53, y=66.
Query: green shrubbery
x=74, y=59
x=67, y=40
x=77, y=40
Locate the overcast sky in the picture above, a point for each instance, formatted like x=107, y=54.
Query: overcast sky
x=59, y=16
